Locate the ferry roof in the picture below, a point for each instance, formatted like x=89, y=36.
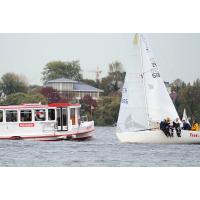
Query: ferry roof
x=39, y=106
x=61, y=105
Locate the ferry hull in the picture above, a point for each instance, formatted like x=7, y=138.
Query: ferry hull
x=82, y=132
x=158, y=137
x=35, y=137
x=68, y=136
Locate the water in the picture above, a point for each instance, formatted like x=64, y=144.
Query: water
x=103, y=150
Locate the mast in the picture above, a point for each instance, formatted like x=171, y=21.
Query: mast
x=143, y=80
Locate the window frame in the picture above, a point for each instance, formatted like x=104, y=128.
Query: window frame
x=26, y=110
x=54, y=114
x=38, y=109
x=16, y=115
x=73, y=117
x=3, y=117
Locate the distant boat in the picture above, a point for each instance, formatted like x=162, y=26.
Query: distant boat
x=145, y=103
x=185, y=117
x=56, y=121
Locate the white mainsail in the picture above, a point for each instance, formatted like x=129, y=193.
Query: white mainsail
x=159, y=103
x=145, y=99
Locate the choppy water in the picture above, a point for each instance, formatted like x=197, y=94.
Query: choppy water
x=103, y=150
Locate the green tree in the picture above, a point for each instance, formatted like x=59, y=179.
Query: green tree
x=115, y=79
x=1, y=91
x=34, y=88
x=106, y=85
x=36, y=98
x=177, y=85
x=13, y=83
x=19, y=98
x=188, y=96
x=59, y=69
x=106, y=113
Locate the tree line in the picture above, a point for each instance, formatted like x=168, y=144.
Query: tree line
x=14, y=89
x=187, y=96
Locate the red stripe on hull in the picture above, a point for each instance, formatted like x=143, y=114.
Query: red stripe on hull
x=30, y=137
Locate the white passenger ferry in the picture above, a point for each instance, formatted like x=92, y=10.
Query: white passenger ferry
x=54, y=121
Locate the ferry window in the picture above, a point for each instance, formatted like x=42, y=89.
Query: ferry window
x=40, y=115
x=11, y=115
x=78, y=115
x=51, y=114
x=72, y=115
x=1, y=115
x=64, y=115
x=78, y=112
x=26, y=116
x=59, y=116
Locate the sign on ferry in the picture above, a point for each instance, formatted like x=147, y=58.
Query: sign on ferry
x=26, y=124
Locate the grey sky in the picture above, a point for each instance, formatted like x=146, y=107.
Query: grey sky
x=177, y=54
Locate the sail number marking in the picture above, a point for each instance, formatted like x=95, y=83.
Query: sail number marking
x=124, y=101
x=124, y=96
x=154, y=70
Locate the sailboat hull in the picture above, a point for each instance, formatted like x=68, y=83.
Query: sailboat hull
x=158, y=137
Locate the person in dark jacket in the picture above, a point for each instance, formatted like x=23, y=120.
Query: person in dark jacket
x=177, y=127
x=186, y=126
x=164, y=126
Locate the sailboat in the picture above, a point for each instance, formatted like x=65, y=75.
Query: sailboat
x=146, y=102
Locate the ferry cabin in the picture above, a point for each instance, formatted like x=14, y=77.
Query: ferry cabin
x=29, y=121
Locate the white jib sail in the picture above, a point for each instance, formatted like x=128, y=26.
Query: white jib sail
x=132, y=114
x=159, y=103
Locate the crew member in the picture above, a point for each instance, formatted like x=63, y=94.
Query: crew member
x=169, y=127
x=164, y=126
x=186, y=125
x=177, y=127
x=195, y=126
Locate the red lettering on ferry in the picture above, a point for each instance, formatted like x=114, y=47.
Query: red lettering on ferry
x=26, y=125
